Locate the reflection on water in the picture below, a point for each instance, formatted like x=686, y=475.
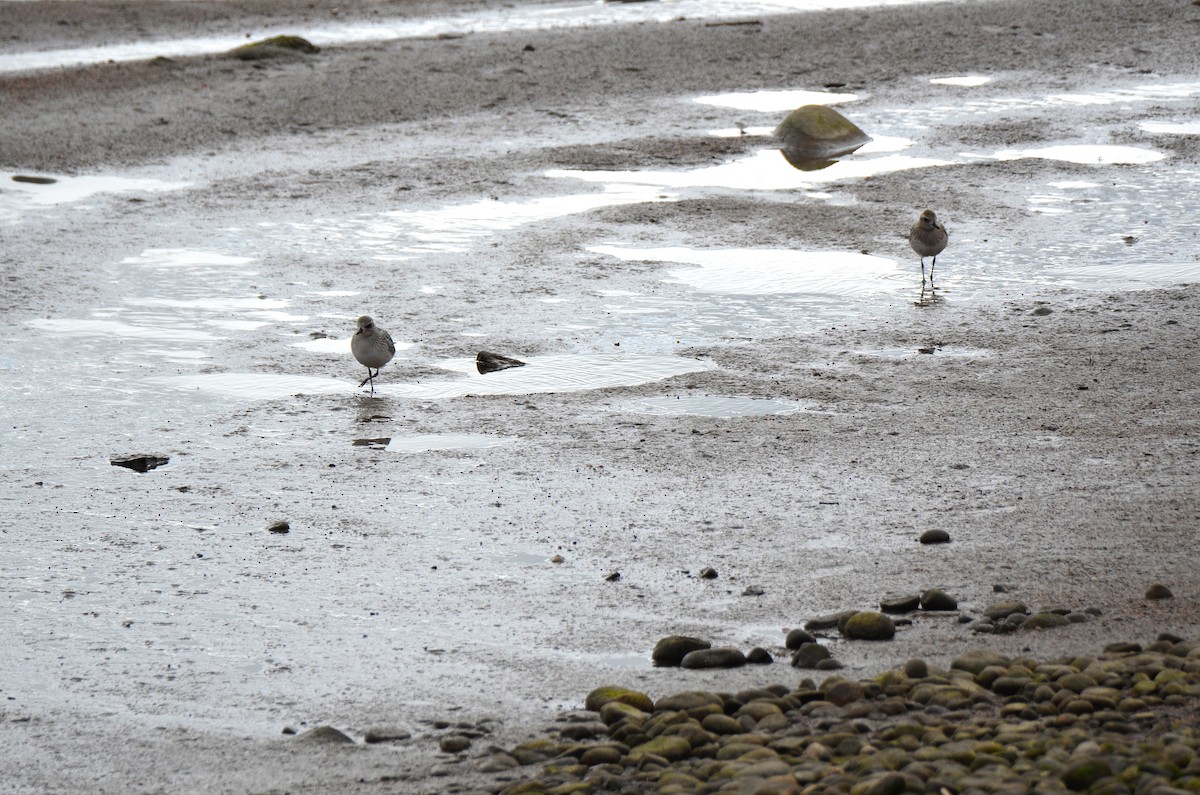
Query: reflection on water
x=402, y=234
x=769, y=271
x=549, y=374
x=764, y=170
x=252, y=386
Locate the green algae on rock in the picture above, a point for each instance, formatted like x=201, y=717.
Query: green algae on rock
x=602, y=695
x=274, y=47
x=1109, y=723
x=813, y=135
x=869, y=625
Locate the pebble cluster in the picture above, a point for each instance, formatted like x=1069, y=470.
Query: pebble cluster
x=1124, y=721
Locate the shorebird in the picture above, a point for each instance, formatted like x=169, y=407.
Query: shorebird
x=927, y=237
x=373, y=347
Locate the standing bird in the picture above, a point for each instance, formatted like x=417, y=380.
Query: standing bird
x=373, y=347
x=927, y=237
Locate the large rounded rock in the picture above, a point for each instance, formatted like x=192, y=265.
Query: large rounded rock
x=937, y=599
x=798, y=637
x=671, y=650
x=688, y=700
x=812, y=135
x=809, y=655
x=721, y=657
x=669, y=747
x=602, y=695
x=976, y=660
x=869, y=625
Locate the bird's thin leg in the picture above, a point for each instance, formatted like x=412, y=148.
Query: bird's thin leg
x=931, y=267
x=365, y=380
x=922, y=271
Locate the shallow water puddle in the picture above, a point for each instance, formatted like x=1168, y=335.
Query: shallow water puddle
x=1126, y=275
x=763, y=170
x=421, y=443
x=1083, y=154
x=252, y=386
x=769, y=271
x=19, y=194
x=718, y=406
x=1171, y=128
x=962, y=81
x=453, y=229
x=517, y=18
x=549, y=374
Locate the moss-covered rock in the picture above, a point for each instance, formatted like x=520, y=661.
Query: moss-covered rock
x=602, y=695
x=669, y=747
x=274, y=47
x=869, y=625
x=812, y=135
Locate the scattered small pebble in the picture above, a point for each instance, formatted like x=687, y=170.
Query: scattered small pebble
x=935, y=537
x=708, y=573
x=279, y=527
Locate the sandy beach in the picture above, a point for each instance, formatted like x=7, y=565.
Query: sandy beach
x=730, y=364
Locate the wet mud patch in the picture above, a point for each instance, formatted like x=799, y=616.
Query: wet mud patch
x=717, y=406
x=652, y=152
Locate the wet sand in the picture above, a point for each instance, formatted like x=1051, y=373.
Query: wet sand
x=165, y=638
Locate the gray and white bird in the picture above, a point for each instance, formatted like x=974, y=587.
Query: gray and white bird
x=373, y=347
x=928, y=238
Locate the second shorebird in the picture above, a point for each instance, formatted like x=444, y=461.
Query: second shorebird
x=928, y=237
x=373, y=347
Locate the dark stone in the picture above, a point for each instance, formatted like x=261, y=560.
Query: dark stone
x=1044, y=621
x=612, y=576
x=140, y=463
x=708, y=573
x=1082, y=775
x=1159, y=591
x=487, y=362
x=385, y=735
x=759, y=656
x=935, y=537
x=798, y=637
x=32, y=180
x=1002, y=610
x=916, y=668
x=809, y=654
x=671, y=650
x=454, y=743
x=901, y=604
x=279, y=527
x=937, y=599
x=754, y=590
x=585, y=730
x=829, y=621
x=721, y=657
